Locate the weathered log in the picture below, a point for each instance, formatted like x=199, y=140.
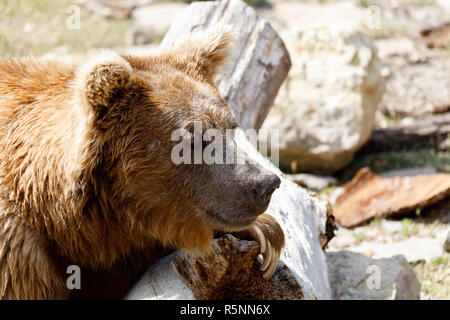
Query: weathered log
x=258, y=66
x=302, y=271
x=429, y=132
x=205, y=278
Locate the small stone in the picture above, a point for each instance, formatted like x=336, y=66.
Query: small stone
x=311, y=181
x=353, y=276
x=447, y=242
x=150, y=23
x=368, y=253
x=413, y=248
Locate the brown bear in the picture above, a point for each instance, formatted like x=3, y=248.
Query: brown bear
x=86, y=176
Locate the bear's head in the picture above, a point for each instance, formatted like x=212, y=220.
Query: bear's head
x=139, y=108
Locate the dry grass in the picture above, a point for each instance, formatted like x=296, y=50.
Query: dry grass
x=40, y=26
x=434, y=277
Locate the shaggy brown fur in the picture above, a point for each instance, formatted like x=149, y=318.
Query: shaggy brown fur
x=85, y=170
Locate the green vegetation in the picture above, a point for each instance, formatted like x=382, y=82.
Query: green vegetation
x=409, y=228
x=359, y=237
x=365, y=3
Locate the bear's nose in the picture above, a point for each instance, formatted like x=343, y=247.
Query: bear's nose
x=263, y=190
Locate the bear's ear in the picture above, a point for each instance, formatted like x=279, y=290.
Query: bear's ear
x=207, y=50
x=101, y=77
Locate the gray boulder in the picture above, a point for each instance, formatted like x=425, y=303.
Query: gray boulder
x=326, y=107
x=353, y=276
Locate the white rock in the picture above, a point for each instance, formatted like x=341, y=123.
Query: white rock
x=343, y=238
x=312, y=181
x=353, y=276
x=396, y=47
x=293, y=14
x=444, y=4
x=392, y=227
x=326, y=108
x=152, y=21
x=414, y=249
x=418, y=89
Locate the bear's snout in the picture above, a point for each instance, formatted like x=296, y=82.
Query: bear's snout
x=263, y=190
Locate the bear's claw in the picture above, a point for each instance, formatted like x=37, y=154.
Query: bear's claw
x=271, y=240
